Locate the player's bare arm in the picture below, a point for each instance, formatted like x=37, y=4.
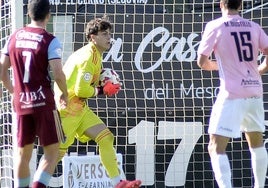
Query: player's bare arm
x=59, y=77
x=263, y=67
x=206, y=64
x=5, y=77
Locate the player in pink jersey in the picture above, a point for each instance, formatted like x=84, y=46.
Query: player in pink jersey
x=236, y=43
x=30, y=51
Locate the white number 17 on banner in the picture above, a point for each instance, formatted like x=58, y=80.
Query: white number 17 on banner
x=144, y=137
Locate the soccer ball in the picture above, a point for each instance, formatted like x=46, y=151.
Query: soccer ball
x=108, y=74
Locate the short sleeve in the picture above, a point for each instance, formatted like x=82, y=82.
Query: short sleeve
x=208, y=40
x=54, y=49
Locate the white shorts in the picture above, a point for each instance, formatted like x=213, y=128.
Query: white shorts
x=230, y=117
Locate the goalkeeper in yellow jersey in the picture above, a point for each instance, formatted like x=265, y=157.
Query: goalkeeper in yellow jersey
x=82, y=70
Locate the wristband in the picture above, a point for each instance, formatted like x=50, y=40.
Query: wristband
x=99, y=90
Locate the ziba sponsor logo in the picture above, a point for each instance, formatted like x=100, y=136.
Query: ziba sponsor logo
x=32, y=96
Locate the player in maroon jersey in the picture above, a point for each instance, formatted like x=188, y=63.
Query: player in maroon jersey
x=30, y=51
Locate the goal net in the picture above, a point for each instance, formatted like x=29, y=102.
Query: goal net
x=160, y=117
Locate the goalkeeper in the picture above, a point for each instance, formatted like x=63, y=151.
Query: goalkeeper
x=82, y=71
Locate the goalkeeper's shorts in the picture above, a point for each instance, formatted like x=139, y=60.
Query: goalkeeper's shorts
x=75, y=124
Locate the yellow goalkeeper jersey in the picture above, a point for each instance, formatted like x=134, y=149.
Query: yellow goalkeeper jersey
x=82, y=70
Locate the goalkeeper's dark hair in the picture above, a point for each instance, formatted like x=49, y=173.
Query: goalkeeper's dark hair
x=38, y=9
x=232, y=4
x=96, y=25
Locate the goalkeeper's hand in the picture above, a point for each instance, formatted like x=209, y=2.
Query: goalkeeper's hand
x=110, y=89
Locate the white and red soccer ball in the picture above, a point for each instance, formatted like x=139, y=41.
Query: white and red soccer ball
x=108, y=74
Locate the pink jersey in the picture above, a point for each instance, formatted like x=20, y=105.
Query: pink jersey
x=236, y=43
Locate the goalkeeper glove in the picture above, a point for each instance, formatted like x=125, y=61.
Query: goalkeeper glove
x=109, y=89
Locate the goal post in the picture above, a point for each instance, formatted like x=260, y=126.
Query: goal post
x=160, y=117
x=11, y=19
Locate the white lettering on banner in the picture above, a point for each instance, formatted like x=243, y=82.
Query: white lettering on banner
x=156, y=93
x=96, y=2
x=87, y=171
x=178, y=51
x=163, y=93
x=199, y=92
x=70, y=2
x=54, y=2
x=181, y=54
x=143, y=136
x=115, y=51
x=127, y=1
x=80, y=2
